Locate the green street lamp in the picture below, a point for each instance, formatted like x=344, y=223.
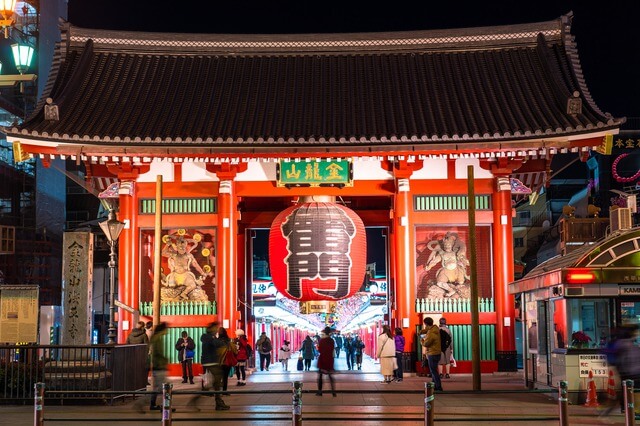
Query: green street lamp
x=112, y=228
x=22, y=56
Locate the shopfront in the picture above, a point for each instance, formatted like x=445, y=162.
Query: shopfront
x=571, y=304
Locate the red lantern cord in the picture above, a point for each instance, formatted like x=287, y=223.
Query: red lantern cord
x=617, y=177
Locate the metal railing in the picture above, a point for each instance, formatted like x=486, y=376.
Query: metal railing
x=297, y=415
x=78, y=370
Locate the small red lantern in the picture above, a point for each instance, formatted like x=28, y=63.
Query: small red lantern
x=317, y=251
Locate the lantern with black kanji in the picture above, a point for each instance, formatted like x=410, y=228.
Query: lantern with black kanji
x=317, y=251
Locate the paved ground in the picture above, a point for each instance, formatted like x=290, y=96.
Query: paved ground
x=361, y=400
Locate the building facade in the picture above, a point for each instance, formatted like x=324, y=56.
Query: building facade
x=213, y=127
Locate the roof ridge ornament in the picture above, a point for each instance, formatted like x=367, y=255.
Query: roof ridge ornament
x=574, y=104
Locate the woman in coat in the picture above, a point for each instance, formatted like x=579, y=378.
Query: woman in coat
x=386, y=353
x=308, y=352
x=244, y=353
x=326, y=347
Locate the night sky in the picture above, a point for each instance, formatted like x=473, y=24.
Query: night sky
x=606, y=34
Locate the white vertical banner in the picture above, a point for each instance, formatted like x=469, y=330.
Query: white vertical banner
x=77, y=286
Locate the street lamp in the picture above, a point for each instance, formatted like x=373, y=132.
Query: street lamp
x=7, y=8
x=112, y=228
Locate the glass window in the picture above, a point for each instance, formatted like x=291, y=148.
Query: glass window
x=559, y=324
x=589, y=322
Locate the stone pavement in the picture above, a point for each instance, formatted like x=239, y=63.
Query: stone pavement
x=362, y=400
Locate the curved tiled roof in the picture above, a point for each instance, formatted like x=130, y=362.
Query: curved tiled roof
x=411, y=88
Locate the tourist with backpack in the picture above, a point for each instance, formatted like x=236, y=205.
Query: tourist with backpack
x=431, y=341
x=264, y=347
x=444, y=366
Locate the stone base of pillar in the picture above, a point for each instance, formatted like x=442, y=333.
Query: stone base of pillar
x=507, y=360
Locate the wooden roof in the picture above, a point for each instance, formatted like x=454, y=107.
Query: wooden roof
x=362, y=92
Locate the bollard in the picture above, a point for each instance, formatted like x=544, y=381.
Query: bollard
x=166, y=404
x=429, y=398
x=296, y=418
x=38, y=402
x=629, y=410
x=563, y=402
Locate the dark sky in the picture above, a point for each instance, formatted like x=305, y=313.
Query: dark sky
x=607, y=37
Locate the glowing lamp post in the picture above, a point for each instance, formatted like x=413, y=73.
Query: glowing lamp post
x=7, y=8
x=22, y=56
x=112, y=228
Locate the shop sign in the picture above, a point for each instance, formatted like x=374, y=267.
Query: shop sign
x=315, y=173
x=317, y=307
x=595, y=363
x=629, y=290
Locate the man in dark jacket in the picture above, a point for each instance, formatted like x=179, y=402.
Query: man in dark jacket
x=185, y=347
x=211, y=347
x=138, y=335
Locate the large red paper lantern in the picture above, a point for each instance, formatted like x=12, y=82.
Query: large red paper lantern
x=317, y=251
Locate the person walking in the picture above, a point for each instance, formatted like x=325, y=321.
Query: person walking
x=308, y=351
x=349, y=350
x=386, y=353
x=138, y=335
x=211, y=347
x=326, y=347
x=264, y=347
x=186, y=351
x=337, y=338
x=283, y=355
x=444, y=365
x=158, y=365
x=431, y=341
x=358, y=349
x=228, y=346
x=398, y=339
x=244, y=353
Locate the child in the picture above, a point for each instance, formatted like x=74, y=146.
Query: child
x=283, y=355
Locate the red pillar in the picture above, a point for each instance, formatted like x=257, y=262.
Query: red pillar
x=503, y=275
x=128, y=249
x=403, y=250
x=226, y=272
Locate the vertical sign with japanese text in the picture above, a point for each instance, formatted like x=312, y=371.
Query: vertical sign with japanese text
x=77, y=283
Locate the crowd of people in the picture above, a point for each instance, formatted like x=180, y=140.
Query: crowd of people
x=223, y=357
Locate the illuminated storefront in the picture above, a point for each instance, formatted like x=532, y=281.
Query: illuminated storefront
x=571, y=306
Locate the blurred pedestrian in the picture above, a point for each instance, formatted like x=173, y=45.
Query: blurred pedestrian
x=624, y=353
x=431, y=342
x=326, y=347
x=159, y=363
x=398, y=339
x=211, y=347
x=228, y=346
x=386, y=353
x=186, y=351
